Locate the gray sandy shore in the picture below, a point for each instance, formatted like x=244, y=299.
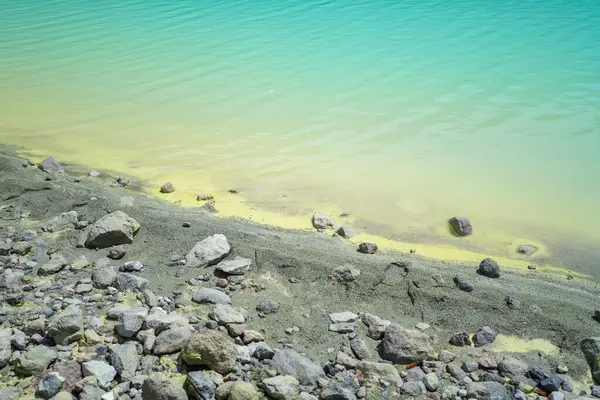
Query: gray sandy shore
x=294, y=269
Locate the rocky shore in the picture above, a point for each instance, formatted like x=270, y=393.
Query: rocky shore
x=109, y=294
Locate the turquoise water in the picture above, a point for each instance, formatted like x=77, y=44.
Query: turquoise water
x=401, y=112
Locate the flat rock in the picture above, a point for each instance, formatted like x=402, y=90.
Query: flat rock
x=101, y=370
x=489, y=268
x=461, y=225
x=225, y=314
x=131, y=321
x=403, y=346
x=208, y=252
x=162, y=387
x=343, y=317
x=67, y=326
x=290, y=362
x=172, y=340
x=210, y=349
x=282, y=387
x=60, y=222
x=56, y=263
x=35, y=360
x=112, y=230
x=342, y=327
x=237, y=266
x=124, y=358
x=210, y=296
x=360, y=349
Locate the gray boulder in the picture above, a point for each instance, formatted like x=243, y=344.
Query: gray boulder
x=512, y=367
x=60, y=222
x=345, y=273
x=237, y=266
x=34, y=361
x=261, y=351
x=282, y=387
x=290, y=362
x=56, y=263
x=159, y=320
x=210, y=349
x=489, y=268
x=112, y=230
x=376, y=326
x=431, y=382
x=50, y=385
x=321, y=221
x=367, y=248
x=267, y=307
x=162, y=387
x=104, y=277
x=101, y=370
x=9, y=393
x=484, y=336
x=591, y=351
x=125, y=281
x=131, y=321
x=125, y=359
x=414, y=388
x=403, y=346
x=486, y=391
x=67, y=326
x=90, y=392
x=172, y=340
x=224, y=314
x=50, y=165
x=461, y=226
x=378, y=371
x=343, y=386
x=200, y=386
x=208, y=252
x=210, y=296
x=5, y=349
x=345, y=232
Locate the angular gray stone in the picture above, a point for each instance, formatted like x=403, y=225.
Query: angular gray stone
x=210, y=296
x=431, y=382
x=345, y=273
x=125, y=359
x=290, y=362
x=360, y=349
x=159, y=320
x=131, y=321
x=282, y=387
x=101, y=370
x=367, y=248
x=49, y=164
x=162, y=387
x=18, y=340
x=60, y=222
x=376, y=326
x=321, y=221
x=345, y=232
x=172, y=340
x=125, y=281
x=484, y=336
x=50, y=385
x=489, y=268
x=83, y=288
x=104, y=277
x=34, y=361
x=414, y=388
x=211, y=349
x=237, y=266
x=112, y=230
x=67, y=326
x=378, y=371
x=261, y=351
x=403, y=346
x=5, y=349
x=486, y=391
x=90, y=392
x=267, y=307
x=150, y=298
x=343, y=386
x=200, y=386
x=461, y=226
x=342, y=328
x=342, y=317
x=225, y=314
x=512, y=367
x=56, y=263
x=208, y=252
x=591, y=351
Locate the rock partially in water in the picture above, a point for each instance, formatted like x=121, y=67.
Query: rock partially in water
x=527, y=249
x=167, y=188
x=461, y=225
x=112, y=230
x=489, y=268
x=50, y=165
x=322, y=221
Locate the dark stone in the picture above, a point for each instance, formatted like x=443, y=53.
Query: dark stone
x=460, y=339
x=512, y=302
x=484, y=336
x=462, y=283
x=267, y=307
x=551, y=384
x=567, y=386
x=367, y=248
x=200, y=386
x=167, y=188
x=50, y=165
x=489, y=268
x=461, y=226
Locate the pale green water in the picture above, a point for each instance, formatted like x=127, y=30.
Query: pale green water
x=401, y=112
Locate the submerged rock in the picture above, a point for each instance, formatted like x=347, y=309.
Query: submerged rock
x=527, y=249
x=112, y=230
x=461, y=226
x=208, y=252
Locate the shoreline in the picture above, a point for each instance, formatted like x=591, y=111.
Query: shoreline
x=445, y=247
x=294, y=268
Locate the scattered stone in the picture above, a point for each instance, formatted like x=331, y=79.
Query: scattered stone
x=489, y=268
x=199, y=386
x=461, y=226
x=487, y=362
x=125, y=281
x=116, y=253
x=35, y=360
x=101, y=370
x=267, y=307
x=283, y=387
x=5, y=349
x=345, y=273
x=367, y=248
x=167, y=188
x=172, y=340
x=50, y=385
x=124, y=358
x=237, y=266
x=131, y=321
x=562, y=369
x=345, y=232
x=290, y=362
x=225, y=314
x=159, y=320
x=343, y=386
x=512, y=302
x=94, y=173
x=212, y=350
x=378, y=371
x=204, y=197
x=261, y=351
x=486, y=391
x=90, y=392
x=56, y=264
x=531, y=266
x=460, y=339
x=414, y=388
x=321, y=221
x=249, y=336
x=342, y=327
x=67, y=326
x=527, y=249
x=431, y=381
x=462, y=283
x=403, y=346
x=376, y=326
x=162, y=387
x=104, y=277
x=50, y=165
x=112, y=230
x=243, y=391
x=342, y=317
x=208, y=252
x=360, y=349
x=484, y=336
x=132, y=266
x=80, y=263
